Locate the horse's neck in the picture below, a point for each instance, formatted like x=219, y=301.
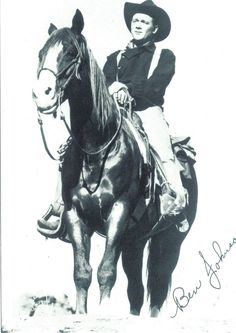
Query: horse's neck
x=85, y=124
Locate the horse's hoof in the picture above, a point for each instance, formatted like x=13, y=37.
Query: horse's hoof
x=134, y=312
x=154, y=312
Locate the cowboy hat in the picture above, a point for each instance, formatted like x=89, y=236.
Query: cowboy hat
x=149, y=8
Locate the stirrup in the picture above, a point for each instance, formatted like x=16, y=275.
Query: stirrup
x=171, y=210
x=52, y=229
x=183, y=225
x=168, y=201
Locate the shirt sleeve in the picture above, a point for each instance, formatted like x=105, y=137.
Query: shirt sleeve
x=110, y=68
x=153, y=88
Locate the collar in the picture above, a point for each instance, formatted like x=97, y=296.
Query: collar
x=132, y=49
x=148, y=45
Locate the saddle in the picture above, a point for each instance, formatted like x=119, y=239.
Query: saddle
x=152, y=174
x=182, y=149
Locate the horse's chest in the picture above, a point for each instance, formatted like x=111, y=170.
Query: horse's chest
x=94, y=205
x=102, y=184
x=103, y=177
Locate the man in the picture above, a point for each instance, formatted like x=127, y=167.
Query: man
x=129, y=72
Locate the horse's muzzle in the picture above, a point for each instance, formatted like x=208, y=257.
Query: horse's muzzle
x=44, y=93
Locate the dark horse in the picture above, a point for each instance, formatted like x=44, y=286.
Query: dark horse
x=102, y=177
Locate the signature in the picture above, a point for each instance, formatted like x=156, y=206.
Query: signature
x=212, y=269
x=182, y=298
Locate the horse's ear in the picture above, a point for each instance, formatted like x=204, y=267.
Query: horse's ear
x=51, y=29
x=77, y=22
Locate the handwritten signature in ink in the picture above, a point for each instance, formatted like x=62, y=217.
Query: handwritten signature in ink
x=182, y=298
x=212, y=269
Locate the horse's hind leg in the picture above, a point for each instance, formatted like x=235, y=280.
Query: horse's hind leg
x=163, y=256
x=80, y=239
x=132, y=260
x=164, y=252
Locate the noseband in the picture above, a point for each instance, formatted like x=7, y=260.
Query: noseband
x=75, y=62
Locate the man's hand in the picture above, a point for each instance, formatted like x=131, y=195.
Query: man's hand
x=122, y=96
x=120, y=92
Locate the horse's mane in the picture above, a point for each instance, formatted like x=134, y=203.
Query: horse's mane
x=102, y=100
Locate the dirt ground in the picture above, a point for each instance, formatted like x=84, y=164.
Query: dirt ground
x=46, y=294
x=48, y=314
x=57, y=323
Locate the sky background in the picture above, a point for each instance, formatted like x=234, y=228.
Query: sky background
x=200, y=102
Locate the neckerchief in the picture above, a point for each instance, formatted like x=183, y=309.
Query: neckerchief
x=132, y=44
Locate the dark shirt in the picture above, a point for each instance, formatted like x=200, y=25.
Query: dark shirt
x=133, y=69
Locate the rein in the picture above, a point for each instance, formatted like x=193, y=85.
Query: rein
x=63, y=147
x=107, y=145
x=62, y=117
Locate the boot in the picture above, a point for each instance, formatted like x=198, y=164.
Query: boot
x=54, y=210
x=174, y=195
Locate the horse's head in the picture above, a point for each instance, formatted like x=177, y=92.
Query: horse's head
x=59, y=62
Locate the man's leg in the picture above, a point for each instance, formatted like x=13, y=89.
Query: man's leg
x=158, y=134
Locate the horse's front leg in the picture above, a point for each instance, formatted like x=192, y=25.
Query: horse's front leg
x=80, y=239
x=116, y=224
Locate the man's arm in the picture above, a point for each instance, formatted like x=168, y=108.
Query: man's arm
x=153, y=88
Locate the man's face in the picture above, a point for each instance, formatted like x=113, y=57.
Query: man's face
x=142, y=26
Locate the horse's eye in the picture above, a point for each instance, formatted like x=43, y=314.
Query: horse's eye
x=71, y=53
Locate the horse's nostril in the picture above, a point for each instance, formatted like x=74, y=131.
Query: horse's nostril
x=48, y=90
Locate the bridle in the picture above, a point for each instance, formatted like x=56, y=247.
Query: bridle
x=74, y=67
x=76, y=61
